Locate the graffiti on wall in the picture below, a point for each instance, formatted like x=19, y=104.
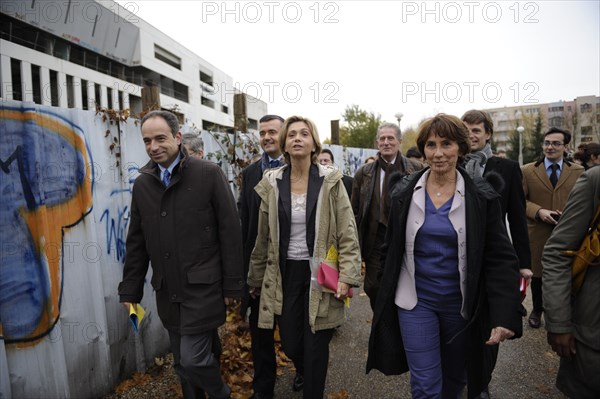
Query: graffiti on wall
x=45, y=189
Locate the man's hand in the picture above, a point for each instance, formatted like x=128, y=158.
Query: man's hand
x=230, y=301
x=548, y=216
x=126, y=305
x=562, y=344
x=254, y=292
x=499, y=334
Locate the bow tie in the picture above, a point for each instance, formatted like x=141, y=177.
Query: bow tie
x=274, y=163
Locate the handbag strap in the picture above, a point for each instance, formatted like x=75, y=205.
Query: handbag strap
x=596, y=220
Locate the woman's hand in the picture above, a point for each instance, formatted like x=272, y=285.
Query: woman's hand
x=499, y=334
x=342, y=290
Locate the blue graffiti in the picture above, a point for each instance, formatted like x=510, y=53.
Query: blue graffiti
x=41, y=169
x=116, y=231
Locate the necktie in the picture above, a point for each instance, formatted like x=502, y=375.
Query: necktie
x=274, y=163
x=166, y=178
x=554, y=175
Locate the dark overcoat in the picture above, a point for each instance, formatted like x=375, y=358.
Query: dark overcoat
x=492, y=294
x=190, y=233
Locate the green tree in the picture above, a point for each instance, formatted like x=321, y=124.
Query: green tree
x=360, y=128
x=513, y=144
x=409, y=139
x=533, y=151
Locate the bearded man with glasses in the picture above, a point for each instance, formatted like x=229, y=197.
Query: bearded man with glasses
x=547, y=184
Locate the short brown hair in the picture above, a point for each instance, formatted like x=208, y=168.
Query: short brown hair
x=448, y=127
x=313, y=132
x=475, y=116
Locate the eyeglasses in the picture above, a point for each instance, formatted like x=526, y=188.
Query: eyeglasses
x=552, y=143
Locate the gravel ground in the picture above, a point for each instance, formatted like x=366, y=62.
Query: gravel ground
x=526, y=368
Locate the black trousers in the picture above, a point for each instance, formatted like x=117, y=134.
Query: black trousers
x=196, y=361
x=373, y=267
x=297, y=339
x=536, y=294
x=263, y=353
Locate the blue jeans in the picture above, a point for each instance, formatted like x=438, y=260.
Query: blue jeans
x=437, y=366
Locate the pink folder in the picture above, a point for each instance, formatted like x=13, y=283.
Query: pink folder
x=328, y=277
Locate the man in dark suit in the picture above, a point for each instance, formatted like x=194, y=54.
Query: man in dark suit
x=480, y=162
x=263, y=343
x=326, y=158
x=184, y=223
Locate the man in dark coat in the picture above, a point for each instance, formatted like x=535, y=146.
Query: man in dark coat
x=263, y=343
x=481, y=162
x=184, y=221
x=370, y=200
x=573, y=318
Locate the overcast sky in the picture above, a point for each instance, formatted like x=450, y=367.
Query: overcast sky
x=315, y=58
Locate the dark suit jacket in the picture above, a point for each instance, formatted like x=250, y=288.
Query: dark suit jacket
x=513, y=204
x=285, y=209
x=347, y=180
x=189, y=232
x=248, y=205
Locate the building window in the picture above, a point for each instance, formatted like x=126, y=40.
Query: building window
x=97, y=94
x=135, y=104
x=84, y=94
x=224, y=109
x=252, y=124
x=586, y=131
x=15, y=69
x=585, y=107
x=557, y=121
x=70, y=92
x=121, y=107
x=109, y=97
x=54, y=88
x=36, y=84
x=206, y=78
x=173, y=89
x=167, y=57
x=207, y=102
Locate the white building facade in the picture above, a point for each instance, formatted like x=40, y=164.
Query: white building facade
x=96, y=53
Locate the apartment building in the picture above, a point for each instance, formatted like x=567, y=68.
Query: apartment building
x=87, y=53
x=580, y=116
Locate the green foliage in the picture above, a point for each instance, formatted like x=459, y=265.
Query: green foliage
x=409, y=139
x=533, y=151
x=513, y=144
x=361, y=127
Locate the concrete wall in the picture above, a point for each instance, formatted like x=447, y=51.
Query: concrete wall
x=65, y=197
x=65, y=188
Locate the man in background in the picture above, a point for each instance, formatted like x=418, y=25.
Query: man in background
x=371, y=200
x=547, y=184
x=193, y=145
x=480, y=162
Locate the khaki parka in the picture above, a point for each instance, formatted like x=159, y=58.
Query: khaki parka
x=334, y=225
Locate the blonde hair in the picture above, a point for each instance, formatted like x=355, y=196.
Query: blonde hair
x=312, y=128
